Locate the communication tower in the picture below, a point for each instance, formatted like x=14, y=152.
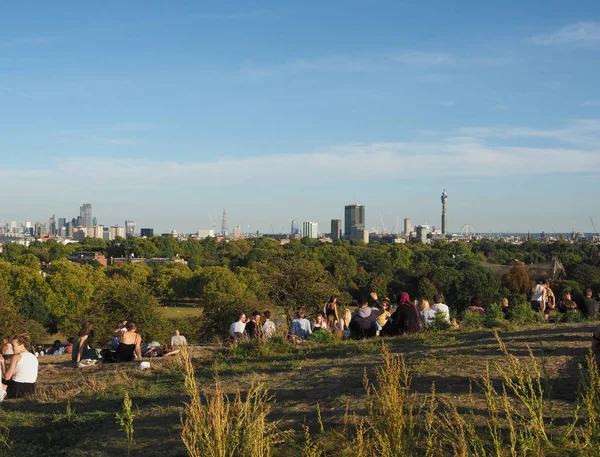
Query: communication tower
x=444, y=199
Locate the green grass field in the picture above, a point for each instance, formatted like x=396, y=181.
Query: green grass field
x=320, y=386
x=179, y=311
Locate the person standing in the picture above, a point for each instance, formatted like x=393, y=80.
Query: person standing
x=538, y=298
x=330, y=308
x=20, y=377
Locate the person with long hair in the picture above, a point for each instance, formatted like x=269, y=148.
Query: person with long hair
x=330, y=307
x=82, y=348
x=20, y=377
x=566, y=303
x=406, y=317
x=129, y=346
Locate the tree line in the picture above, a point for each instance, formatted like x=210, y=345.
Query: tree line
x=225, y=277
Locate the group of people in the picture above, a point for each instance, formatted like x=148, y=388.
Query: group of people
x=125, y=345
x=543, y=301
x=19, y=368
x=244, y=328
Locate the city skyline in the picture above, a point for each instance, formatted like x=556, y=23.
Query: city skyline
x=162, y=115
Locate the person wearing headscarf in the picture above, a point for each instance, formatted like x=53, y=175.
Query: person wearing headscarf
x=406, y=317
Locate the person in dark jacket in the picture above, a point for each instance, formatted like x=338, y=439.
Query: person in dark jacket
x=364, y=320
x=406, y=318
x=590, y=306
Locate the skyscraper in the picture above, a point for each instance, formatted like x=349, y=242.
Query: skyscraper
x=310, y=229
x=130, y=228
x=336, y=229
x=85, y=213
x=62, y=222
x=408, y=227
x=444, y=199
x=354, y=216
x=224, y=223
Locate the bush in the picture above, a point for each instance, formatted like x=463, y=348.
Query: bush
x=324, y=337
x=473, y=319
x=439, y=322
x=273, y=347
x=571, y=316
x=523, y=314
x=493, y=316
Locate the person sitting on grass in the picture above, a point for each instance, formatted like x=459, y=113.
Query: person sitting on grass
x=423, y=311
x=590, y=305
x=269, y=328
x=20, y=376
x=129, y=346
x=384, y=316
x=566, y=303
x=252, y=328
x=56, y=349
x=319, y=323
x=82, y=347
x=477, y=306
x=439, y=306
x=300, y=329
x=330, y=308
x=178, y=339
x=406, y=318
x=236, y=330
x=364, y=320
x=113, y=344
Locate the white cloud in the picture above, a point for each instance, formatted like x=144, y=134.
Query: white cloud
x=579, y=34
x=467, y=152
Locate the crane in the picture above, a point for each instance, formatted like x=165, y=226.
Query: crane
x=594, y=226
x=382, y=223
x=214, y=226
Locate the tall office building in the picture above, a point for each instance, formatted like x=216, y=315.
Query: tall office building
x=336, y=229
x=408, y=227
x=444, y=199
x=130, y=228
x=62, y=223
x=52, y=229
x=147, y=232
x=310, y=229
x=69, y=229
x=85, y=213
x=116, y=231
x=422, y=232
x=95, y=231
x=354, y=216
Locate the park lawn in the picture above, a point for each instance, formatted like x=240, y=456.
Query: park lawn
x=173, y=312
x=73, y=412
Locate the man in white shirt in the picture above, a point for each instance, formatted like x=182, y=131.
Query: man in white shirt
x=269, y=327
x=538, y=299
x=236, y=331
x=300, y=328
x=178, y=340
x=438, y=306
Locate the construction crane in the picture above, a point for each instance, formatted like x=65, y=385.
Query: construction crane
x=382, y=223
x=212, y=221
x=593, y=226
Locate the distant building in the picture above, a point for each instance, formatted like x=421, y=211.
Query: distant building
x=407, y=226
x=336, y=229
x=69, y=229
x=206, y=233
x=147, y=233
x=422, y=233
x=444, y=200
x=95, y=231
x=129, y=228
x=79, y=233
x=237, y=231
x=86, y=257
x=60, y=229
x=310, y=229
x=117, y=230
x=354, y=216
x=85, y=213
x=359, y=234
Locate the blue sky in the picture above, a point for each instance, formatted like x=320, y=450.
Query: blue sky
x=164, y=113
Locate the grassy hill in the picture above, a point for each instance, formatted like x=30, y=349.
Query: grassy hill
x=317, y=391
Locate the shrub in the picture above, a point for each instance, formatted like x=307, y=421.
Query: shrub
x=473, y=319
x=523, y=314
x=439, y=322
x=571, y=316
x=493, y=316
x=324, y=337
